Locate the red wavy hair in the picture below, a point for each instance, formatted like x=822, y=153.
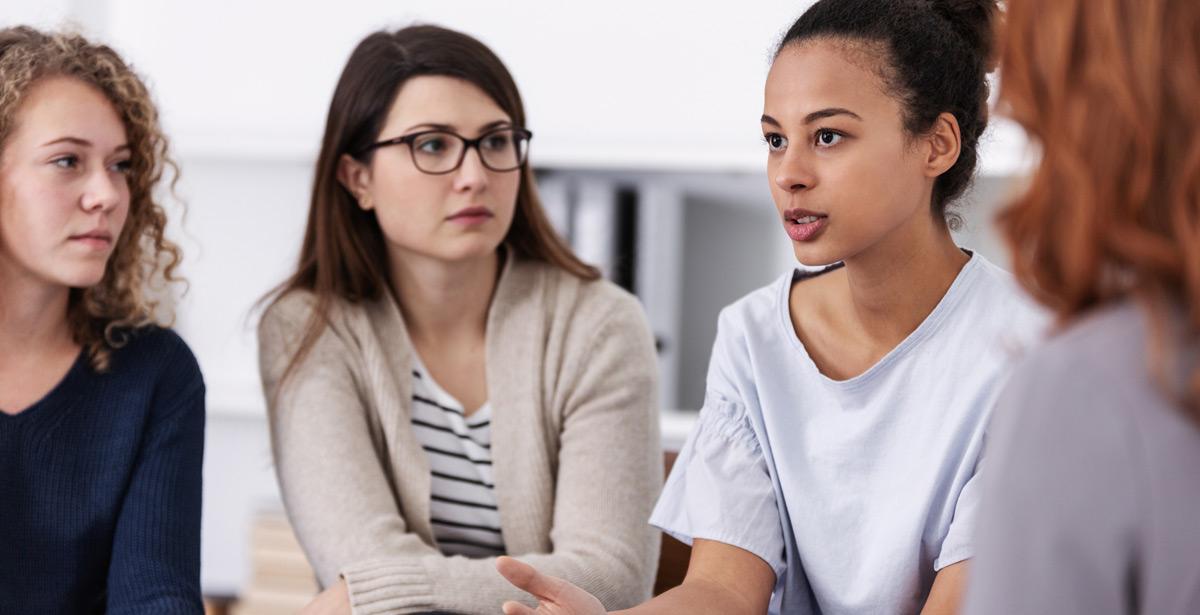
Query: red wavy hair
x=1110, y=91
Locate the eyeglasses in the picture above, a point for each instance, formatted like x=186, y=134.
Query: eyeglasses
x=438, y=152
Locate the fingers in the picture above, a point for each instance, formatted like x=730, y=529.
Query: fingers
x=526, y=577
x=516, y=608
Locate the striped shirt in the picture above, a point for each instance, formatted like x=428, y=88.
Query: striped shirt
x=463, y=510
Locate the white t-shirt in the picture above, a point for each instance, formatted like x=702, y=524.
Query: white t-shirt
x=857, y=491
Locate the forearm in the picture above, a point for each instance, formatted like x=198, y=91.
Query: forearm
x=699, y=597
x=458, y=584
x=945, y=597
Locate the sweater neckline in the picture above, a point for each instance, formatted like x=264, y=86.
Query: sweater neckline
x=61, y=395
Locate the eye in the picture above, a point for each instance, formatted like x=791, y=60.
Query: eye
x=69, y=161
x=122, y=166
x=498, y=141
x=432, y=144
x=828, y=138
x=775, y=141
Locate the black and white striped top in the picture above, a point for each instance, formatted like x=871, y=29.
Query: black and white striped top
x=466, y=520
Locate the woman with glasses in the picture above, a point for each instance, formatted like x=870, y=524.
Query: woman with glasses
x=446, y=381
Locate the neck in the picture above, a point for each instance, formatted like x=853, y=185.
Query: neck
x=33, y=316
x=444, y=300
x=894, y=285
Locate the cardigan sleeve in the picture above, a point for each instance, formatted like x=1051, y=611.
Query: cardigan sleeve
x=155, y=566
x=609, y=475
x=329, y=473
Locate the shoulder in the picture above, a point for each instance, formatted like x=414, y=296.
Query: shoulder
x=159, y=358
x=1078, y=403
x=1088, y=385
x=289, y=310
x=748, y=332
x=586, y=303
x=999, y=289
x=758, y=311
x=153, y=345
x=287, y=316
x=995, y=312
x=1106, y=346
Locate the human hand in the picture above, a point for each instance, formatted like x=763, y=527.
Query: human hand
x=555, y=596
x=335, y=600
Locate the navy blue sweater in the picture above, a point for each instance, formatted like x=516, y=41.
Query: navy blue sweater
x=100, y=487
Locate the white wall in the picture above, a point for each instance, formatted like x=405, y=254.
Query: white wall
x=48, y=13
x=605, y=83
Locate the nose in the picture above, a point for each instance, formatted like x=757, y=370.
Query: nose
x=471, y=175
x=794, y=173
x=104, y=191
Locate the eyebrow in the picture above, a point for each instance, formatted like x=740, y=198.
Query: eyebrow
x=451, y=128
x=816, y=115
x=81, y=143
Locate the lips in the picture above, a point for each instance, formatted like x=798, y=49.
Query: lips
x=96, y=235
x=470, y=213
x=804, y=224
x=802, y=216
x=98, y=239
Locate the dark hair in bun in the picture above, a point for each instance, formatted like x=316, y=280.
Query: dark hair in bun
x=939, y=54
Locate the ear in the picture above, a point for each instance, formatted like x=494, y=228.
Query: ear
x=945, y=142
x=355, y=177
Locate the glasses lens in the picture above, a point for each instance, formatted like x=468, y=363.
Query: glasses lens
x=436, y=152
x=504, y=150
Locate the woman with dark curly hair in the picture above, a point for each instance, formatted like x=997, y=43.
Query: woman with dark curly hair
x=101, y=408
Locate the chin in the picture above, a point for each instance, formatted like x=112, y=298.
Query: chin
x=82, y=277
x=815, y=255
x=466, y=251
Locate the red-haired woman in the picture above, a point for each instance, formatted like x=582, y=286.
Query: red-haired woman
x=1094, y=491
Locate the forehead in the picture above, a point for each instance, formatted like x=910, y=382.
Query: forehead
x=56, y=107
x=430, y=99
x=822, y=74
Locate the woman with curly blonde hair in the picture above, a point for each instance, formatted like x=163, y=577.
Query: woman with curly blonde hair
x=101, y=408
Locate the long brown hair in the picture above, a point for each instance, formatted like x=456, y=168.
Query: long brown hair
x=143, y=260
x=344, y=255
x=1110, y=90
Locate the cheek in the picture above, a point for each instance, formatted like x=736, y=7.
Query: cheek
x=882, y=187
x=120, y=214
x=407, y=207
x=34, y=217
x=507, y=187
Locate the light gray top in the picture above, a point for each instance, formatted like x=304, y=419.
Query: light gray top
x=1092, y=482
x=855, y=492
x=571, y=378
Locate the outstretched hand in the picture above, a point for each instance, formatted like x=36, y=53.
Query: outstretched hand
x=555, y=596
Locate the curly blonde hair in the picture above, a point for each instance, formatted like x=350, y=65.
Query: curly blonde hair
x=101, y=316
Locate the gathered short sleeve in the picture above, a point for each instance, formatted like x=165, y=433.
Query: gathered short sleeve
x=720, y=488
x=959, y=542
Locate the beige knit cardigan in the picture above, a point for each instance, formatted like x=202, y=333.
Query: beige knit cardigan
x=571, y=377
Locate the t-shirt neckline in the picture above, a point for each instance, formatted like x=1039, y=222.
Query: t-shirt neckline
x=953, y=295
